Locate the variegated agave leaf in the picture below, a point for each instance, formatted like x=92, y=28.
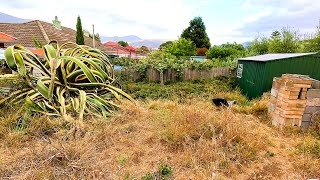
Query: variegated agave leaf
x=75, y=79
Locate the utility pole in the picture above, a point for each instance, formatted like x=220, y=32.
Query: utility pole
x=93, y=38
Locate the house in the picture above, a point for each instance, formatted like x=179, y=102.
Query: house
x=5, y=38
x=38, y=32
x=255, y=74
x=115, y=49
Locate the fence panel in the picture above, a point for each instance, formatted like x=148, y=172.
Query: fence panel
x=153, y=75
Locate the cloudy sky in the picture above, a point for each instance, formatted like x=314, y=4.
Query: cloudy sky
x=225, y=20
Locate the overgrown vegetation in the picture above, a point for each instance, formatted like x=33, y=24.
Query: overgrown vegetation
x=186, y=90
x=74, y=80
x=157, y=139
x=285, y=41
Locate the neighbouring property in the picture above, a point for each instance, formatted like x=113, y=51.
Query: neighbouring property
x=255, y=74
x=35, y=33
x=120, y=51
x=5, y=38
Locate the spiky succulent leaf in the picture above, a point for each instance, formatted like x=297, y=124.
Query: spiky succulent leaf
x=74, y=78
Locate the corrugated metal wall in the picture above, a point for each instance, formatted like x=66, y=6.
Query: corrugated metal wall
x=251, y=83
x=257, y=76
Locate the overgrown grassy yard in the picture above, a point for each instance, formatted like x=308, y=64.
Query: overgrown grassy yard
x=173, y=132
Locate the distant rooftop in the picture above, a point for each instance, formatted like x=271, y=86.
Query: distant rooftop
x=270, y=57
x=6, y=38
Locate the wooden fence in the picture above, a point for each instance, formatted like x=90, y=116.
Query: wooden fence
x=172, y=75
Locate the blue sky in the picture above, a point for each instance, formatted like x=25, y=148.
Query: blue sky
x=226, y=20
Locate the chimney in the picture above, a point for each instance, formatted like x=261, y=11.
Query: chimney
x=56, y=23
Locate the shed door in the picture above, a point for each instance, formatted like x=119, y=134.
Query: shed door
x=253, y=79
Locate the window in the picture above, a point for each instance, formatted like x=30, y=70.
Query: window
x=239, y=71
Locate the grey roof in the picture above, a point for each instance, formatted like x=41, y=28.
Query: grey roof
x=269, y=57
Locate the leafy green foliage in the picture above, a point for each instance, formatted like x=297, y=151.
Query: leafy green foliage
x=181, y=47
x=75, y=79
x=143, y=50
x=123, y=43
x=226, y=50
x=196, y=32
x=37, y=43
x=259, y=46
x=285, y=42
x=313, y=44
x=204, y=89
x=79, y=37
x=163, y=45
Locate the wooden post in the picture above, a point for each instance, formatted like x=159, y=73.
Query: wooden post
x=161, y=78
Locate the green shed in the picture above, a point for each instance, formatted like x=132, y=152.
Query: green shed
x=255, y=74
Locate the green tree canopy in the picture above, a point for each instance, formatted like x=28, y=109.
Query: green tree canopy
x=123, y=43
x=285, y=42
x=165, y=44
x=196, y=32
x=226, y=50
x=313, y=44
x=143, y=50
x=259, y=46
x=79, y=37
x=181, y=47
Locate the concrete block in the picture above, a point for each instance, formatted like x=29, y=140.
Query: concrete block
x=272, y=107
x=315, y=85
x=305, y=124
x=274, y=92
x=313, y=93
x=311, y=109
x=306, y=117
x=313, y=102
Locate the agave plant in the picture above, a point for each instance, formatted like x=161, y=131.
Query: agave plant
x=75, y=79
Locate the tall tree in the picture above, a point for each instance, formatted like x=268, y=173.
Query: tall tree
x=79, y=37
x=286, y=41
x=196, y=32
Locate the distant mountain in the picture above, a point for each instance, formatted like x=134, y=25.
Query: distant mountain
x=6, y=18
x=150, y=43
x=134, y=41
x=129, y=39
x=246, y=44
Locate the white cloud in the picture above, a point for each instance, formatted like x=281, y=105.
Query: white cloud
x=149, y=19
x=166, y=19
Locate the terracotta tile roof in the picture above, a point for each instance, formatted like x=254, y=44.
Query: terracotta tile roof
x=38, y=51
x=43, y=32
x=115, y=48
x=130, y=48
x=6, y=38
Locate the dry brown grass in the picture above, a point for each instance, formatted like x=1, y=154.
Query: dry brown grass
x=194, y=139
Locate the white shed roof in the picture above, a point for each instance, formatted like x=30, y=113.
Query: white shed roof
x=268, y=57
